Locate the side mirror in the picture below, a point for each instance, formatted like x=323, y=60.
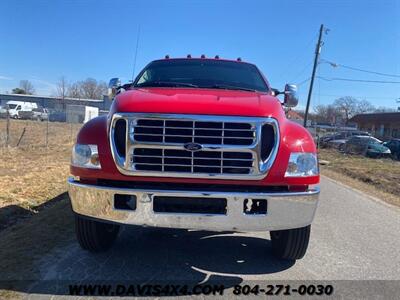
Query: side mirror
x=113, y=86
x=291, y=99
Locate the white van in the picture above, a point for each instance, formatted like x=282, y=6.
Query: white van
x=15, y=106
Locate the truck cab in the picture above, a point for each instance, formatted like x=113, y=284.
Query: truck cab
x=196, y=143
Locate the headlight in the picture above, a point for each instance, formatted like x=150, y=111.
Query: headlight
x=302, y=164
x=85, y=156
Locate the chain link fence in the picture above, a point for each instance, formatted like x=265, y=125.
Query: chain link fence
x=38, y=133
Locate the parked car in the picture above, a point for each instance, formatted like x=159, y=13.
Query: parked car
x=394, y=146
x=323, y=141
x=340, y=138
x=337, y=144
x=366, y=145
x=40, y=114
x=3, y=112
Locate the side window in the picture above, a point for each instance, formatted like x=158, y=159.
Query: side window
x=18, y=107
x=145, y=77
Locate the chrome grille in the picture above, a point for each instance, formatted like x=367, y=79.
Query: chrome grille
x=180, y=132
x=155, y=145
x=208, y=162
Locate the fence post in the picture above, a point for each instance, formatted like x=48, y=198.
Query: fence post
x=47, y=132
x=22, y=135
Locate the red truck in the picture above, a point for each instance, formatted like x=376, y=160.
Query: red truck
x=196, y=143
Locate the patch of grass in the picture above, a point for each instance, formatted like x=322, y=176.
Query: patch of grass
x=32, y=173
x=379, y=177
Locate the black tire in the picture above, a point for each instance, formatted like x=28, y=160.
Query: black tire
x=291, y=243
x=95, y=236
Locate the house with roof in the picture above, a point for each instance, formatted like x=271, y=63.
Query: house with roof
x=385, y=125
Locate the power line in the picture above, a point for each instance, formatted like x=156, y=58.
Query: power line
x=304, y=81
x=357, y=80
x=302, y=71
x=301, y=55
x=136, y=51
x=359, y=70
x=358, y=96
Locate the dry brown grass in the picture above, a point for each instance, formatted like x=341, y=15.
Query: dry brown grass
x=377, y=177
x=32, y=173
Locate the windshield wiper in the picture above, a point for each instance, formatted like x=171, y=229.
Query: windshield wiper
x=231, y=87
x=165, y=84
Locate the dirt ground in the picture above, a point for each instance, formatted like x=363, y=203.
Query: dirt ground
x=377, y=177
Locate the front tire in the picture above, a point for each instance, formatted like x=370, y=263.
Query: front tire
x=291, y=243
x=95, y=236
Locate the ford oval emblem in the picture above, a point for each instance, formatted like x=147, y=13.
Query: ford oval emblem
x=193, y=147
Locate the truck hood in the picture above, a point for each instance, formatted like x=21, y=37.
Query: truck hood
x=198, y=101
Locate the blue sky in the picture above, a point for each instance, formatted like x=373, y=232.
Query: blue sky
x=43, y=40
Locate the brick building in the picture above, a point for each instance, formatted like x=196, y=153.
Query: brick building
x=381, y=125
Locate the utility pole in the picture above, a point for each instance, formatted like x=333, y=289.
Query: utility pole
x=317, y=52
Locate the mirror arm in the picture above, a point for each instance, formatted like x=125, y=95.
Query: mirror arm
x=277, y=92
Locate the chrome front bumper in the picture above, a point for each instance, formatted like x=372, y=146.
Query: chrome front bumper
x=285, y=210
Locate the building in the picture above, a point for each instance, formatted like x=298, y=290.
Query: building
x=57, y=103
x=381, y=125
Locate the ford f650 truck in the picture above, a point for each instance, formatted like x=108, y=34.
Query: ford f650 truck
x=196, y=143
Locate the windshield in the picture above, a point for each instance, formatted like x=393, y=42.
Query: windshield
x=202, y=73
x=373, y=140
x=12, y=106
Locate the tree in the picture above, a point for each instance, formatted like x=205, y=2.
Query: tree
x=382, y=109
x=18, y=91
x=73, y=90
x=91, y=89
x=87, y=89
x=363, y=106
x=27, y=86
x=326, y=113
x=347, y=106
x=62, y=88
